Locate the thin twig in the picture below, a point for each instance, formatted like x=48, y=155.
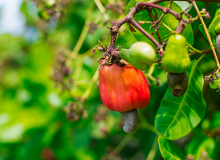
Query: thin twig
x=123, y=142
x=156, y=21
x=201, y=52
x=89, y=89
x=207, y=33
x=79, y=43
x=136, y=25
x=102, y=9
x=153, y=150
x=129, y=18
x=145, y=124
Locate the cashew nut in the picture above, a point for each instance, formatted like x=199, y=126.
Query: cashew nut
x=131, y=120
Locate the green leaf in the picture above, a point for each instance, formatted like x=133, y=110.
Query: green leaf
x=177, y=116
x=207, y=146
x=203, y=32
x=169, y=20
x=169, y=150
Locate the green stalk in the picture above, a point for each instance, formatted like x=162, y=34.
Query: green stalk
x=124, y=54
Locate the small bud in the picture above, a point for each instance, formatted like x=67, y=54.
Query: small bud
x=85, y=115
x=140, y=22
x=204, y=9
x=76, y=118
x=207, y=15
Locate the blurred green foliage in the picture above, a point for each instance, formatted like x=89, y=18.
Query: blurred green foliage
x=33, y=120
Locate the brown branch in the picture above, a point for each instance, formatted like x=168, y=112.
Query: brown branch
x=205, y=1
x=136, y=25
x=152, y=19
x=129, y=18
x=181, y=26
x=207, y=34
x=144, y=5
x=202, y=52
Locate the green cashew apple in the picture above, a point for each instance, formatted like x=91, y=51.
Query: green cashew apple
x=176, y=58
x=178, y=83
x=214, y=27
x=141, y=55
x=214, y=31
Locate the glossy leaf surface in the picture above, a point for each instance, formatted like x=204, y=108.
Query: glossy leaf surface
x=177, y=116
x=169, y=150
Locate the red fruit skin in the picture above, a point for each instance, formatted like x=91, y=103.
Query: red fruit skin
x=123, y=88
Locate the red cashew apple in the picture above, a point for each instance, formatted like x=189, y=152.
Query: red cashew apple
x=124, y=89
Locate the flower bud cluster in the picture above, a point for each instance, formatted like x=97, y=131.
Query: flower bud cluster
x=51, y=8
x=101, y=114
x=61, y=73
x=116, y=7
x=75, y=111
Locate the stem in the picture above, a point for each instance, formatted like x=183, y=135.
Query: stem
x=202, y=52
x=206, y=1
x=129, y=18
x=207, y=33
x=151, y=70
x=148, y=126
x=100, y=6
x=150, y=77
x=152, y=19
x=124, y=54
x=190, y=46
x=79, y=43
x=144, y=5
x=78, y=70
x=102, y=9
x=196, y=50
x=145, y=124
x=200, y=58
x=123, y=142
x=89, y=89
x=167, y=27
x=153, y=150
x=136, y=25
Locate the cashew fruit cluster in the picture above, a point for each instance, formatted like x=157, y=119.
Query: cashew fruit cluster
x=124, y=89
x=176, y=61
x=141, y=55
x=214, y=31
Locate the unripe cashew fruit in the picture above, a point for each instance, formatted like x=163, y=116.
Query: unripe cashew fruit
x=179, y=83
x=176, y=58
x=141, y=55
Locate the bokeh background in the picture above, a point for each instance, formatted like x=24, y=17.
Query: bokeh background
x=50, y=107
